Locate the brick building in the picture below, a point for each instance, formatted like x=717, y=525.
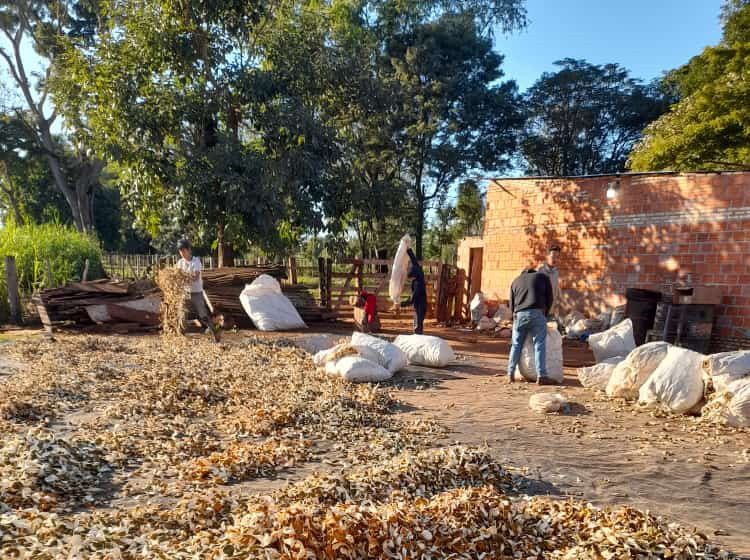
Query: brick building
x=645, y=230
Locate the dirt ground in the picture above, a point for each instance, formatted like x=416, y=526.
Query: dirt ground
x=607, y=452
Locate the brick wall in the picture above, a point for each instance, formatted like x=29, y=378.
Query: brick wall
x=661, y=229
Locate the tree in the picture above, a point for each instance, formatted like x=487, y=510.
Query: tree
x=709, y=128
x=43, y=24
x=204, y=119
x=469, y=209
x=457, y=115
x=585, y=118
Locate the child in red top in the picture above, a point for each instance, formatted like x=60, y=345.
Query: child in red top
x=366, y=312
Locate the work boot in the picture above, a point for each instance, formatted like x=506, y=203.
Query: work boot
x=544, y=380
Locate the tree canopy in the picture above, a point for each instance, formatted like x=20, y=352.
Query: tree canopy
x=709, y=128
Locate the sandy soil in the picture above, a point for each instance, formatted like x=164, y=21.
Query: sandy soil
x=607, y=452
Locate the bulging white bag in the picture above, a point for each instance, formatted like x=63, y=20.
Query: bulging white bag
x=677, y=382
x=597, y=376
x=390, y=356
x=399, y=270
x=424, y=350
x=547, y=402
x=617, y=341
x=731, y=406
x=324, y=357
x=357, y=369
x=726, y=367
x=314, y=343
x=269, y=309
x=629, y=375
x=503, y=313
x=554, y=356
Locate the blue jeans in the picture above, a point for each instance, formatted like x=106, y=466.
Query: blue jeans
x=530, y=322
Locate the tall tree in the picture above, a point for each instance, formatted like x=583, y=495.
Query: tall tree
x=469, y=209
x=43, y=24
x=709, y=128
x=200, y=127
x=585, y=118
x=457, y=115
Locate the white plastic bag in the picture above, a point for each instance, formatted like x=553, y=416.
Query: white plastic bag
x=486, y=324
x=726, y=367
x=269, y=309
x=553, y=359
x=314, y=343
x=324, y=357
x=390, y=356
x=730, y=406
x=597, y=376
x=547, y=402
x=677, y=383
x=629, y=375
x=357, y=369
x=424, y=350
x=503, y=313
x=617, y=341
x=399, y=270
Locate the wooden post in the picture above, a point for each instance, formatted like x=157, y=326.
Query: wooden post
x=293, y=270
x=85, y=274
x=48, y=267
x=322, y=280
x=11, y=280
x=458, y=304
x=360, y=277
x=329, y=286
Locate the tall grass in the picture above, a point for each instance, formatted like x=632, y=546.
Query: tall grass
x=34, y=245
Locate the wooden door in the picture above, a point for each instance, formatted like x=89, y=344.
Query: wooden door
x=475, y=270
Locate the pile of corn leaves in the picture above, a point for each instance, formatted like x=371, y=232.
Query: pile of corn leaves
x=147, y=447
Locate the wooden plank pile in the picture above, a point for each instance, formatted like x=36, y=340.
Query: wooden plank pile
x=101, y=305
x=223, y=287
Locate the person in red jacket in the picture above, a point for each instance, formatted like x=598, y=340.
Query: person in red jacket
x=366, y=312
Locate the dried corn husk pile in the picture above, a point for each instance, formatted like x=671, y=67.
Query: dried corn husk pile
x=172, y=282
x=40, y=469
x=177, y=422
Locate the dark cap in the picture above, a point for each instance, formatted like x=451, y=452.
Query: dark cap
x=183, y=244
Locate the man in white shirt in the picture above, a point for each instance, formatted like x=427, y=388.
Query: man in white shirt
x=549, y=267
x=191, y=266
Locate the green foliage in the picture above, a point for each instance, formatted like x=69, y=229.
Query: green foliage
x=585, y=118
x=64, y=247
x=709, y=128
x=469, y=209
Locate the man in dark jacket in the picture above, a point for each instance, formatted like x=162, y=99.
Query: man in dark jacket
x=418, y=292
x=531, y=298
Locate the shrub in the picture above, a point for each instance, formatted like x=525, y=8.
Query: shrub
x=64, y=247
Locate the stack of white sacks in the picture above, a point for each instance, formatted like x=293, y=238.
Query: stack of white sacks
x=677, y=379
x=369, y=359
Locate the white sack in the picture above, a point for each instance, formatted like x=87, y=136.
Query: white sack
x=390, y=356
x=314, y=343
x=269, y=309
x=554, y=356
x=324, y=357
x=597, y=376
x=726, y=367
x=486, y=324
x=677, y=383
x=629, y=375
x=399, y=270
x=730, y=406
x=503, y=313
x=617, y=341
x=477, y=301
x=424, y=350
x=547, y=402
x=356, y=369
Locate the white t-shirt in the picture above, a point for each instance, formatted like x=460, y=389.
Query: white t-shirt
x=190, y=267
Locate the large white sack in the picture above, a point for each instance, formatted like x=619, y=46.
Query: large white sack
x=269, y=309
x=554, y=356
x=390, y=356
x=358, y=370
x=324, y=357
x=424, y=350
x=597, y=376
x=726, y=367
x=503, y=313
x=314, y=343
x=629, y=375
x=547, y=402
x=677, y=382
x=730, y=406
x=399, y=270
x=617, y=341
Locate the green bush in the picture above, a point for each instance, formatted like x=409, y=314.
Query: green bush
x=64, y=247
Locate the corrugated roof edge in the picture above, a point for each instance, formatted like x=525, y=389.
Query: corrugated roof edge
x=623, y=174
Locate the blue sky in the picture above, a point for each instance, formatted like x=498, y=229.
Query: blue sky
x=645, y=36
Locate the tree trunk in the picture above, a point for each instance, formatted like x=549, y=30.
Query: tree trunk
x=220, y=245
